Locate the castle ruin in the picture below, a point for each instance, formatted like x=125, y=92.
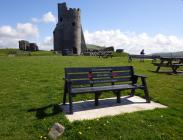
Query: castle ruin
x=26, y=46
x=68, y=34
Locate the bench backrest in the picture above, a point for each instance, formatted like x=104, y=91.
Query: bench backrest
x=95, y=76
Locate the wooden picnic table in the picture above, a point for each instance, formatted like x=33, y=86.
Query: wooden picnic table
x=172, y=62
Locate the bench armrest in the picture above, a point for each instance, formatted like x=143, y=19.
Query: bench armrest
x=142, y=76
x=143, y=79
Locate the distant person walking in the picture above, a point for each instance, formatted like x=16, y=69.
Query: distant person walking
x=142, y=55
x=142, y=52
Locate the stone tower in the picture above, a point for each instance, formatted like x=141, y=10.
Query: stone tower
x=68, y=34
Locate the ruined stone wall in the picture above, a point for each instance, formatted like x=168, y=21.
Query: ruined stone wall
x=26, y=46
x=23, y=45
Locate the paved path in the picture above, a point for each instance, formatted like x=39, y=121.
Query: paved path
x=84, y=110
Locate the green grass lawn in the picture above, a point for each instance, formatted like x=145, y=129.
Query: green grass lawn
x=17, y=52
x=29, y=83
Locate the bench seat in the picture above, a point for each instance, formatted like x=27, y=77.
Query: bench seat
x=165, y=65
x=105, y=88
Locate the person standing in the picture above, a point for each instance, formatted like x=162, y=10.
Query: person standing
x=142, y=52
x=142, y=55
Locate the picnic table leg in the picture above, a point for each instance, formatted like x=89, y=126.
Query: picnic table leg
x=70, y=104
x=158, y=68
x=129, y=59
x=146, y=92
x=174, y=69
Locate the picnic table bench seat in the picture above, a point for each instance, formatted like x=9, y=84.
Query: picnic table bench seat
x=162, y=65
x=97, y=80
x=177, y=64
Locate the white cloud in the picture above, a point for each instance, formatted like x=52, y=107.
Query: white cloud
x=49, y=17
x=47, y=44
x=27, y=29
x=46, y=18
x=7, y=31
x=133, y=43
x=21, y=30
x=9, y=36
x=35, y=20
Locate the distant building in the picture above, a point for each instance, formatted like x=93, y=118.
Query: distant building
x=26, y=46
x=68, y=34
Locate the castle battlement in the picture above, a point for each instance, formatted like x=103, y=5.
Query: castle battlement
x=73, y=11
x=67, y=13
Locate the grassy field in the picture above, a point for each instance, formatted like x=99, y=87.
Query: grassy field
x=32, y=86
x=17, y=52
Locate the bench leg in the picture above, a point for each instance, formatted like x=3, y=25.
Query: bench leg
x=96, y=98
x=64, y=98
x=118, y=94
x=132, y=92
x=70, y=104
x=146, y=92
x=65, y=92
x=147, y=96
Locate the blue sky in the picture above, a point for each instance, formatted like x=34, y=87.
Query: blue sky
x=130, y=20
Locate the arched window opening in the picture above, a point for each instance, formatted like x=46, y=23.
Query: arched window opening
x=74, y=50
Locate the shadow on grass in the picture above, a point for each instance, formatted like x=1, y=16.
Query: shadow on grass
x=168, y=72
x=46, y=111
x=162, y=72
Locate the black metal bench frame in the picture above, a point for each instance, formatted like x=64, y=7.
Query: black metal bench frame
x=90, y=78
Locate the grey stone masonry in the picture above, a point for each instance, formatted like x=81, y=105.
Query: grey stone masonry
x=68, y=34
x=26, y=46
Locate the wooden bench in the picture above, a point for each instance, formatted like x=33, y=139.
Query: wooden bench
x=101, y=79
